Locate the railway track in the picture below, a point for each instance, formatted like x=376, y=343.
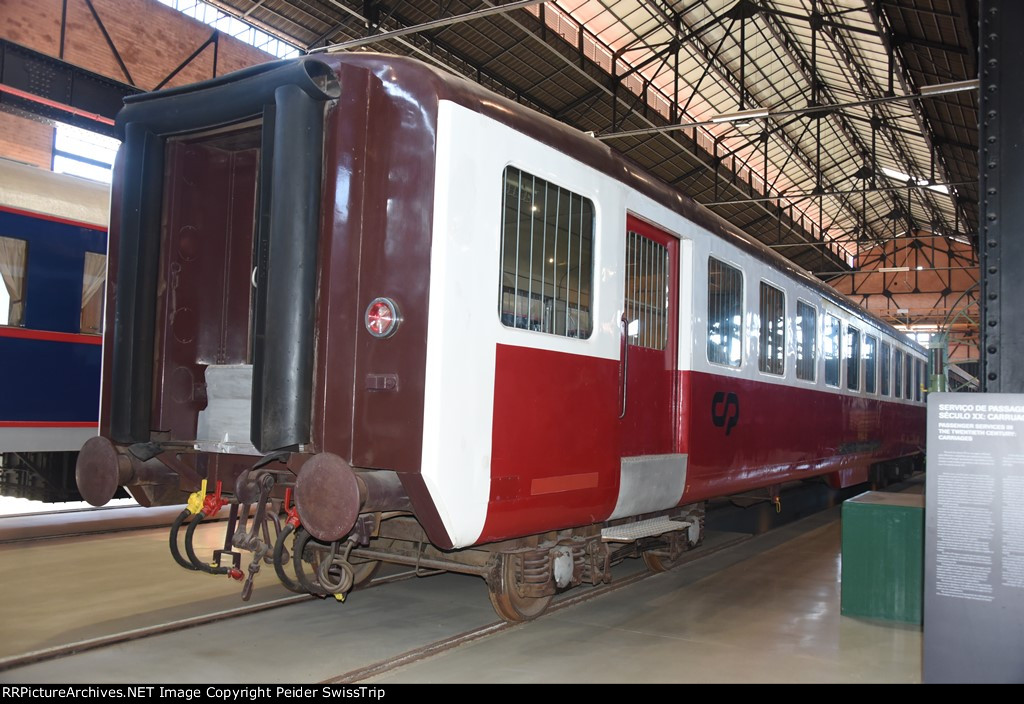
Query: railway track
x=797, y=502
x=573, y=597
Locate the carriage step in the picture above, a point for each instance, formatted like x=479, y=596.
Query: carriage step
x=628, y=532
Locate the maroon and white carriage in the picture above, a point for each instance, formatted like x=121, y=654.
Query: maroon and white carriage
x=470, y=337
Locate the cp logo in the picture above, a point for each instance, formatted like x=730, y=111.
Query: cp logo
x=725, y=410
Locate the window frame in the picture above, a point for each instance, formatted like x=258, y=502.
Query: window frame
x=531, y=296
x=762, y=356
x=99, y=293
x=827, y=329
x=814, y=340
x=871, y=341
x=742, y=312
x=885, y=370
x=908, y=376
x=897, y=376
x=644, y=310
x=23, y=300
x=853, y=361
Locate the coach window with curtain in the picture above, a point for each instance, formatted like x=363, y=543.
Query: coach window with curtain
x=93, y=276
x=13, y=255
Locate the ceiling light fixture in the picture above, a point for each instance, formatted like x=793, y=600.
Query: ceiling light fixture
x=945, y=88
x=741, y=115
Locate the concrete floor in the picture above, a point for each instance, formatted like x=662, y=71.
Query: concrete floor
x=771, y=616
x=766, y=610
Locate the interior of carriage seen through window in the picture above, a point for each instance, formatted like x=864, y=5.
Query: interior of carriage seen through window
x=852, y=354
x=647, y=292
x=870, y=365
x=547, y=257
x=725, y=313
x=771, y=357
x=806, y=341
x=830, y=349
x=885, y=368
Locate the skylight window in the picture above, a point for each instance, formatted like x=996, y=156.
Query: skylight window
x=900, y=176
x=83, y=153
x=232, y=26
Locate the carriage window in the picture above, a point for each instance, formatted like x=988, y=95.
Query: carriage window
x=922, y=382
x=772, y=350
x=831, y=349
x=870, y=345
x=646, y=292
x=852, y=358
x=93, y=276
x=897, y=374
x=725, y=313
x=12, y=271
x=547, y=257
x=806, y=331
x=908, y=375
x=885, y=368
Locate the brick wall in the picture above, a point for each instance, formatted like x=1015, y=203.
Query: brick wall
x=151, y=38
x=24, y=140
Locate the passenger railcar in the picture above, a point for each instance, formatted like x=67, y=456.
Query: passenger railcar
x=469, y=337
x=52, y=262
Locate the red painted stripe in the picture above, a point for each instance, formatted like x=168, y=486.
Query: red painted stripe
x=566, y=482
x=50, y=336
x=47, y=424
x=55, y=105
x=53, y=218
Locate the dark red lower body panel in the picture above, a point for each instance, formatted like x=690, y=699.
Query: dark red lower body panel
x=745, y=434
x=555, y=442
x=557, y=438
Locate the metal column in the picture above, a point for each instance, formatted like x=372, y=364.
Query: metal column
x=1001, y=169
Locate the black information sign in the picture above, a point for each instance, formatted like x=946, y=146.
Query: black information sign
x=974, y=539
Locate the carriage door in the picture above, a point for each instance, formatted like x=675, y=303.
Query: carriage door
x=648, y=342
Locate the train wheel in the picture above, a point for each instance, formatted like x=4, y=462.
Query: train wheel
x=506, y=599
x=660, y=558
x=659, y=563
x=363, y=572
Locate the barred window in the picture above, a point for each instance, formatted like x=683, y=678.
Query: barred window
x=547, y=257
x=922, y=381
x=806, y=334
x=646, y=292
x=12, y=287
x=886, y=352
x=870, y=366
x=852, y=358
x=771, y=356
x=831, y=345
x=725, y=313
x=897, y=375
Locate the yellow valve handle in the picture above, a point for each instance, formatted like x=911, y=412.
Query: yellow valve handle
x=195, y=501
x=340, y=597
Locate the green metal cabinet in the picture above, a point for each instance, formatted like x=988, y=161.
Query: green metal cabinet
x=883, y=556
